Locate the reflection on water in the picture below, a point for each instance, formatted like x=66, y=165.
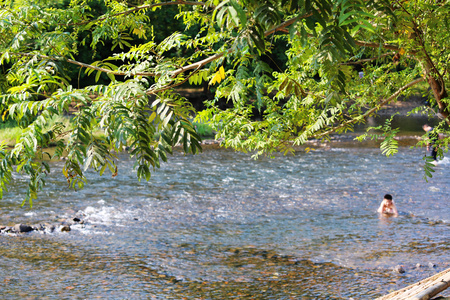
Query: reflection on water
x=222, y=225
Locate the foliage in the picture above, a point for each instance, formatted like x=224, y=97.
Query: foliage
x=229, y=45
x=388, y=145
x=203, y=130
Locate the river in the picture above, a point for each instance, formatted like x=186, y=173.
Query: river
x=221, y=225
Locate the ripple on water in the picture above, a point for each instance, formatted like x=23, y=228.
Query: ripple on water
x=221, y=224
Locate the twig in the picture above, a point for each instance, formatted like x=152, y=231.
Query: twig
x=361, y=61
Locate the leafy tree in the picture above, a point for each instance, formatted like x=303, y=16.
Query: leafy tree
x=396, y=44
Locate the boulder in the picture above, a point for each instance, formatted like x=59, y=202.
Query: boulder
x=65, y=228
x=20, y=228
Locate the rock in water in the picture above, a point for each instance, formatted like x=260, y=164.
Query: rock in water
x=65, y=228
x=399, y=269
x=22, y=228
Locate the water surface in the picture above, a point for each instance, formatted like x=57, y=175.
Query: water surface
x=222, y=225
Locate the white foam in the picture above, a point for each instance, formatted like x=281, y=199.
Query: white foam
x=108, y=215
x=88, y=230
x=444, y=161
x=228, y=179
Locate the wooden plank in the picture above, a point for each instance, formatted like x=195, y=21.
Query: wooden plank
x=422, y=290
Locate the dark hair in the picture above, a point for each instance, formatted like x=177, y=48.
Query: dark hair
x=388, y=197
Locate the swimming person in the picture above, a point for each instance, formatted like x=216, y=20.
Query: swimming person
x=431, y=144
x=387, y=206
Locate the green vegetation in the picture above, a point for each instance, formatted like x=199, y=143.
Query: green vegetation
x=280, y=72
x=204, y=130
x=10, y=132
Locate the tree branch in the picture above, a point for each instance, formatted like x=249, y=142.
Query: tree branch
x=174, y=73
x=198, y=64
x=84, y=65
x=372, y=110
x=286, y=24
x=361, y=61
x=169, y=86
x=219, y=55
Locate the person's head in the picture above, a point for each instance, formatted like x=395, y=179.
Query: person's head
x=388, y=197
x=426, y=127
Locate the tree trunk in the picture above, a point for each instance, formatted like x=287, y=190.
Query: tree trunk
x=439, y=92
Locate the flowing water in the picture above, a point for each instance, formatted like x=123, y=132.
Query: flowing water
x=221, y=225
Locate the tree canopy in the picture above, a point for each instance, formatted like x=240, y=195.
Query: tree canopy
x=137, y=58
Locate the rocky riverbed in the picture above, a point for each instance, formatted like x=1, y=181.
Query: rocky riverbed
x=64, y=225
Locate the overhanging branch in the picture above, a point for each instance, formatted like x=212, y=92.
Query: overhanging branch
x=84, y=65
x=195, y=65
x=219, y=55
x=372, y=110
x=174, y=73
